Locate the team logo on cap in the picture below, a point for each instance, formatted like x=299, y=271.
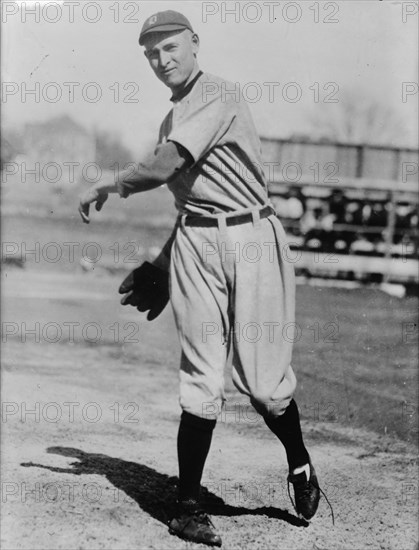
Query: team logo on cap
x=152, y=20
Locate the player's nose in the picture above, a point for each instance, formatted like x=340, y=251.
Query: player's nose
x=164, y=59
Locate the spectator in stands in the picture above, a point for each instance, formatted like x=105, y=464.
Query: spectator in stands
x=406, y=220
x=339, y=239
x=378, y=216
x=406, y=231
x=337, y=206
x=290, y=209
x=362, y=246
x=316, y=227
x=355, y=213
x=296, y=203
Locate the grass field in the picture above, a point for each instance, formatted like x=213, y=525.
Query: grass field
x=355, y=351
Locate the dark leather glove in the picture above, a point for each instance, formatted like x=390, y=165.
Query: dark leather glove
x=147, y=289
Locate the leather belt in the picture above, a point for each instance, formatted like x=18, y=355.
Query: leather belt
x=204, y=221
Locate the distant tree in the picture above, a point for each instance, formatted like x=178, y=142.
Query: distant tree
x=110, y=150
x=357, y=118
x=10, y=147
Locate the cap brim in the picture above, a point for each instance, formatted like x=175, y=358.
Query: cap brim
x=162, y=28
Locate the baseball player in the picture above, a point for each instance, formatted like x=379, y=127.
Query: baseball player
x=231, y=289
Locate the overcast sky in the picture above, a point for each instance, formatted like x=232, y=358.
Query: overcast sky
x=370, y=46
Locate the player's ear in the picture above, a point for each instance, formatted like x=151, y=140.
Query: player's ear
x=195, y=43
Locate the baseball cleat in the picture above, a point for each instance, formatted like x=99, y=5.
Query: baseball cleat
x=196, y=527
x=306, y=492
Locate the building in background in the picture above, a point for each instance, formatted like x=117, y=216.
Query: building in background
x=65, y=150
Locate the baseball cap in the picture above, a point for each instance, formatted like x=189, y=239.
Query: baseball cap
x=164, y=21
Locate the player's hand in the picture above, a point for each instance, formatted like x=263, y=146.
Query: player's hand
x=90, y=196
x=147, y=289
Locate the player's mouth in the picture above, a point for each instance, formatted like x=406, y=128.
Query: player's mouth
x=168, y=71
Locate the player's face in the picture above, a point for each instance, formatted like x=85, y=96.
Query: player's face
x=172, y=56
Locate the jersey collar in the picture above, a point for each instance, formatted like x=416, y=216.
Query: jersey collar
x=185, y=91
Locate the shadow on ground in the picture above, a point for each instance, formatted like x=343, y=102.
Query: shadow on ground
x=154, y=492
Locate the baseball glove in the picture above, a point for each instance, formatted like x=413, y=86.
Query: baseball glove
x=147, y=289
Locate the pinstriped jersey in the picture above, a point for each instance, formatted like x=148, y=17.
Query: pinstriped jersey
x=217, y=129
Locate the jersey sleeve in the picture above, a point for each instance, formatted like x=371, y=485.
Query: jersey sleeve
x=168, y=159
x=205, y=125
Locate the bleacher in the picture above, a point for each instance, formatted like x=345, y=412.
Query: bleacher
x=350, y=211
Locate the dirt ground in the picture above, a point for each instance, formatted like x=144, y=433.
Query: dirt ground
x=89, y=437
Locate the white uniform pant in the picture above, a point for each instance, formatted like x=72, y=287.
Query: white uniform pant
x=233, y=290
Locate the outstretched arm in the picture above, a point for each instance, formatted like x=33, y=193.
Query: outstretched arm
x=168, y=160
